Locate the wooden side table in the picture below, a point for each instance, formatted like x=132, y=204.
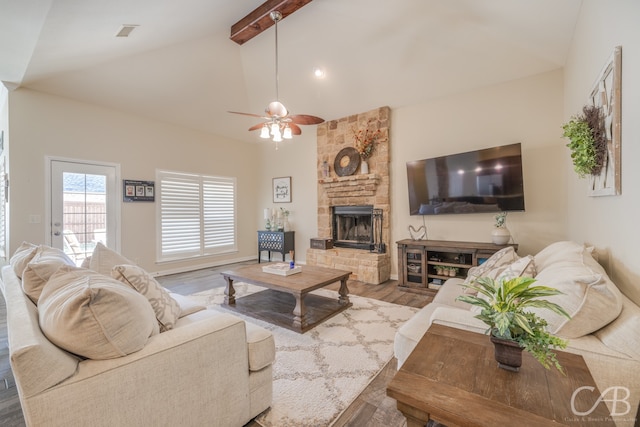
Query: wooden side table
x=453, y=378
x=275, y=241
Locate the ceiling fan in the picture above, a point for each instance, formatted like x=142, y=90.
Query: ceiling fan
x=278, y=123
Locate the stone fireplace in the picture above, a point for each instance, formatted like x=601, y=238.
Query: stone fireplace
x=360, y=231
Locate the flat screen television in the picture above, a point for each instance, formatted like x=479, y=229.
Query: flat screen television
x=488, y=180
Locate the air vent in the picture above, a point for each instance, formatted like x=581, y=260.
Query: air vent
x=125, y=30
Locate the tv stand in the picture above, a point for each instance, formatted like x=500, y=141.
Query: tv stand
x=420, y=262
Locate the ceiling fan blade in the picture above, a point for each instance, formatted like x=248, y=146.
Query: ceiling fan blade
x=304, y=119
x=295, y=129
x=245, y=114
x=256, y=127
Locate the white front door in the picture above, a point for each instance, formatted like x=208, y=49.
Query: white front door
x=84, y=206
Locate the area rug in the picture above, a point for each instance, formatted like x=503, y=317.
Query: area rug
x=317, y=375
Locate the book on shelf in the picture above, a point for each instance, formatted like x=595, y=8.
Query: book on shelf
x=282, y=269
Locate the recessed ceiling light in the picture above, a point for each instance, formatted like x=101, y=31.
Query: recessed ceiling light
x=318, y=72
x=125, y=30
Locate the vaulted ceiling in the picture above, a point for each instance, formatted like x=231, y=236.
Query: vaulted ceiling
x=180, y=66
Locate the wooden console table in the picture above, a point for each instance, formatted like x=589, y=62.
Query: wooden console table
x=275, y=241
x=419, y=260
x=453, y=378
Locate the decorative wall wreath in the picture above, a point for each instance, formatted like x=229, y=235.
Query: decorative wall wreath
x=588, y=141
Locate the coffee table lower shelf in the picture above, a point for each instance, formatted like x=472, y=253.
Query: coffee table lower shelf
x=277, y=308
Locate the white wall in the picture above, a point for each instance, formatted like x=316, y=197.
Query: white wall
x=43, y=125
x=295, y=158
x=608, y=223
x=528, y=111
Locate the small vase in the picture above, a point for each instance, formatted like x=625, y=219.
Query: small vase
x=364, y=167
x=500, y=235
x=287, y=226
x=507, y=353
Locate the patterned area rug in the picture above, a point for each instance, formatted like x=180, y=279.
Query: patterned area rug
x=317, y=375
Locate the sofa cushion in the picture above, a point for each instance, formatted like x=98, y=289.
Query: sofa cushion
x=261, y=345
x=22, y=256
x=187, y=306
x=104, y=259
x=43, y=265
x=94, y=316
x=167, y=309
x=493, y=266
x=588, y=294
x=623, y=334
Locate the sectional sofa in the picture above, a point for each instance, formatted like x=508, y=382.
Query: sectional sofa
x=106, y=345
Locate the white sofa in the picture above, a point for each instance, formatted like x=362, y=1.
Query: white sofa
x=207, y=368
x=604, y=329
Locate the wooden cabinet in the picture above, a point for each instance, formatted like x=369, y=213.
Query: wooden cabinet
x=424, y=265
x=275, y=241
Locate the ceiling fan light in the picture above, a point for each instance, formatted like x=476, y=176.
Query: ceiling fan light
x=275, y=127
x=264, y=132
x=286, y=134
x=277, y=137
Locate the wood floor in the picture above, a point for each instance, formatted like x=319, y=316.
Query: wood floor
x=371, y=408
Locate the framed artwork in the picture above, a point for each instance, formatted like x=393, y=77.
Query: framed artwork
x=282, y=190
x=605, y=94
x=138, y=191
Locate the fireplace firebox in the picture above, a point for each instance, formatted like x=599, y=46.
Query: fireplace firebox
x=357, y=227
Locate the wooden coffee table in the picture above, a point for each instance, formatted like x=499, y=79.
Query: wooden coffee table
x=453, y=378
x=287, y=302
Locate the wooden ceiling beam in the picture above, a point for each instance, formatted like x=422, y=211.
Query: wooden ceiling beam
x=259, y=20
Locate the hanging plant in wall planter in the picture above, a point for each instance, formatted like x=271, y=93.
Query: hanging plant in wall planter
x=587, y=141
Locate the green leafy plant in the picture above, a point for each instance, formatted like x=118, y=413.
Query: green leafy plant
x=504, y=305
x=587, y=141
x=501, y=219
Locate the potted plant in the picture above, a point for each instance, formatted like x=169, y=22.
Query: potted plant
x=500, y=234
x=504, y=307
x=587, y=141
x=453, y=271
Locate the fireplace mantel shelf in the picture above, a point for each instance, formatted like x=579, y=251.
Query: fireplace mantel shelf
x=346, y=179
x=363, y=185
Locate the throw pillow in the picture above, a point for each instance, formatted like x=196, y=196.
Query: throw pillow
x=104, y=259
x=524, y=267
x=94, y=316
x=588, y=295
x=21, y=257
x=44, y=263
x=167, y=309
x=493, y=266
x=554, y=253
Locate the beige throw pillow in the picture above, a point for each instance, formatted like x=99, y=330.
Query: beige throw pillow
x=44, y=263
x=104, y=259
x=167, y=309
x=524, y=267
x=493, y=266
x=21, y=257
x=94, y=316
x=588, y=295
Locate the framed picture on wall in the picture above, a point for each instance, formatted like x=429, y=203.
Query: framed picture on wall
x=282, y=190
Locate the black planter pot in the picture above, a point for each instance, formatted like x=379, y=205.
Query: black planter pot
x=508, y=354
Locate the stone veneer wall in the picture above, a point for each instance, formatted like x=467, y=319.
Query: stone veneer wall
x=357, y=189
